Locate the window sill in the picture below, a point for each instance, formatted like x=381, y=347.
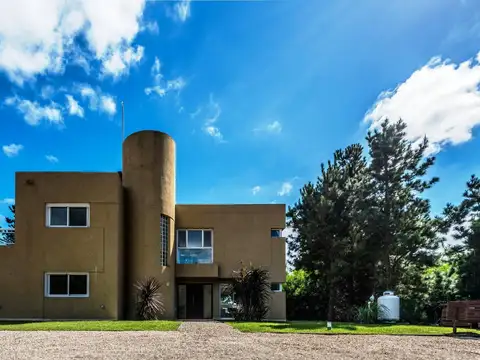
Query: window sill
x=66, y=296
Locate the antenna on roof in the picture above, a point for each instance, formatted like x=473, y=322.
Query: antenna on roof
x=123, y=122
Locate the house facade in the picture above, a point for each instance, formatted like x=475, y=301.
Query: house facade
x=82, y=240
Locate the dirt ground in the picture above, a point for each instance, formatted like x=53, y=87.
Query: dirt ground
x=201, y=341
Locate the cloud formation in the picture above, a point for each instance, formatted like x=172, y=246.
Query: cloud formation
x=73, y=107
x=180, y=11
x=38, y=37
x=52, y=159
x=285, y=189
x=161, y=86
x=34, y=113
x=275, y=127
x=12, y=149
x=440, y=100
x=256, y=190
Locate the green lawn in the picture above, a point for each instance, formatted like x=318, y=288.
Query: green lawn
x=101, y=325
x=344, y=328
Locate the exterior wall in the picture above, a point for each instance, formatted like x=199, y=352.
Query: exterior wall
x=149, y=183
x=241, y=233
x=39, y=249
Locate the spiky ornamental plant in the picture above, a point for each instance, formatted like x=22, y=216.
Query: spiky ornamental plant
x=149, y=303
x=251, y=290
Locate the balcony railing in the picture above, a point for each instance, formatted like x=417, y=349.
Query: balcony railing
x=194, y=256
x=7, y=236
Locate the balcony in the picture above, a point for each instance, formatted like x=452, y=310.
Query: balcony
x=7, y=237
x=196, y=271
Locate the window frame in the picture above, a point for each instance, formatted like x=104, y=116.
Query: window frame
x=165, y=244
x=47, y=285
x=49, y=206
x=276, y=229
x=194, y=248
x=280, y=287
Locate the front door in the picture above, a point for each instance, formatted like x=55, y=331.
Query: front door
x=194, y=301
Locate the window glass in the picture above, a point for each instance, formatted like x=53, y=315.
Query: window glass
x=58, y=284
x=275, y=233
x=194, y=256
x=227, y=302
x=78, y=285
x=58, y=216
x=207, y=238
x=164, y=228
x=276, y=287
x=182, y=238
x=194, y=238
x=78, y=216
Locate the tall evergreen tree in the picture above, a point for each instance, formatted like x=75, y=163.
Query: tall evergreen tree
x=322, y=219
x=9, y=238
x=398, y=216
x=465, y=221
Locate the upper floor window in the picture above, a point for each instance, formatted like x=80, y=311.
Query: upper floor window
x=194, y=246
x=66, y=284
x=276, y=233
x=164, y=233
x=68, y=215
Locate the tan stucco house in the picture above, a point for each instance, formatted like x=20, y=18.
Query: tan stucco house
x=82, y=240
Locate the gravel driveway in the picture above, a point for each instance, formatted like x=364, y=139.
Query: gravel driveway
x=219, y=341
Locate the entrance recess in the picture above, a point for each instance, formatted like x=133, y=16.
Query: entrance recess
x=194, y=301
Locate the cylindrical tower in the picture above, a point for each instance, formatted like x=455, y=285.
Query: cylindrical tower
x=149, y=202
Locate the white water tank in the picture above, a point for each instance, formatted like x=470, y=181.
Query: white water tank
x=389, y=307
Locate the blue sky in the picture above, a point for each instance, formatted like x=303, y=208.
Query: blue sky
x=256, y=94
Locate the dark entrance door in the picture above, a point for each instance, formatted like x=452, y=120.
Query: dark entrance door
x=194, y=301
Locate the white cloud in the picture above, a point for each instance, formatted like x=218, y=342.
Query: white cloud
x=108, y=105
x=256, y=190
x=47, y=92
x=285, y=189
x=51, y=158
x=213, y=113
x=8, y=201
x=73, y=107
x=440, y=100
x=119, y=61
x=180, y=11
x=151, y=27
x=38, y=36
x=274, y=127
x=97, y=100
x=161, y=86
x=33, y=112
x=12, y=149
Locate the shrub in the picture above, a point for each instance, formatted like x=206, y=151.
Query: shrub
x=149, y=302
x=368, y=313
x=251, y=290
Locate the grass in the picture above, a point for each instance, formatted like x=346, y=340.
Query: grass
x=101, y=325
x=345, y=328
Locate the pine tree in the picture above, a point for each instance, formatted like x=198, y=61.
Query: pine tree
x=399, y=219
x=9, y=238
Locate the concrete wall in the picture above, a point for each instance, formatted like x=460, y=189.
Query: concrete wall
x=241, y=233
x=39, y=249
x=149, y=183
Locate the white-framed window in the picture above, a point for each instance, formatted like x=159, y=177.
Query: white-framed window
x=194, y=246
x=276, y=287
x=165, y=235
x=68, y=215
x=276, y=233
x=67, y=285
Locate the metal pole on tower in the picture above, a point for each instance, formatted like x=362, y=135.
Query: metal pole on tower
x=123, y=122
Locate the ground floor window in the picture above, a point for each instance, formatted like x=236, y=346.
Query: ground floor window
x=226, y=302
x=276, y=287
x=66, y=284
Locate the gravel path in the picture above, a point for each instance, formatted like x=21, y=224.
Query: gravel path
x=213, y=341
